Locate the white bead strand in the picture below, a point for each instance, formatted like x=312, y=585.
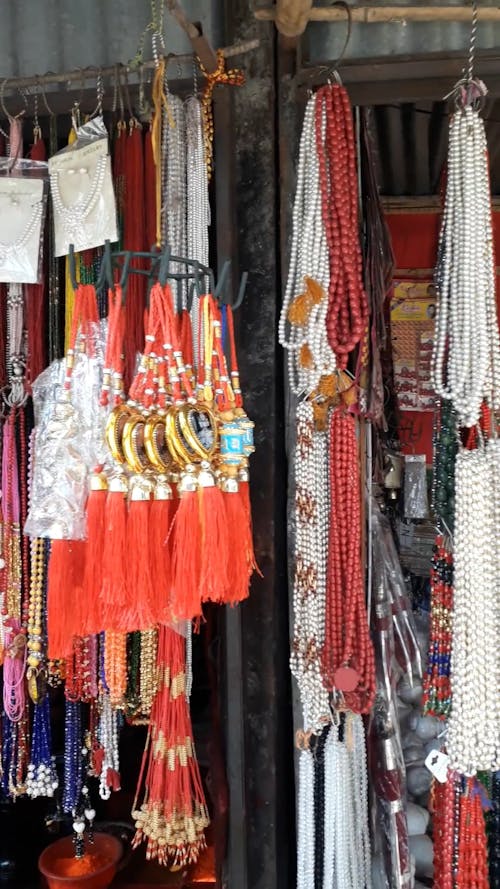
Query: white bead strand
x=474, y=725
x=305, y=822
x=466, y=353
x=308, y=258
x=311, y=544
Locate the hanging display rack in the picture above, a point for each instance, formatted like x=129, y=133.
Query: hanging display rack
x=81, y=75
x=160, y=263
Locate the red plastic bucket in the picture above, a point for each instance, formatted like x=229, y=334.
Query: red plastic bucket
x=57, y=863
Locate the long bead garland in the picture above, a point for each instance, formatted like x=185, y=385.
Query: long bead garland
x=324, y=300
x=348, y=307
x=311, y=541
x=304, y=314
x=466, y=353
x=474, y=726
x=348, y=659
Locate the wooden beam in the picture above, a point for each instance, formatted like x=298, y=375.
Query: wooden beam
x=292, y=16
x=374, y=14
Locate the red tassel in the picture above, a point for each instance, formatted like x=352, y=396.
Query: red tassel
x=162, y=511
x=214, y=580
x=186, y=553
x=65, y=579
x=244, y=490
x=237, y=526
x=92, y=616
x=114, y=560
x=140, y=594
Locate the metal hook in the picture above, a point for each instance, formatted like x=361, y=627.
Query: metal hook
x=72, y=266
x=44, y=97
x=472, y=43
x=127, y=95
x=2, y=103
x=333, y=70
x=164, y=265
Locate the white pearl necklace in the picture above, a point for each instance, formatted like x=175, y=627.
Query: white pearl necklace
x=8, y=250
x=466, y=353
x=174, y=189
x=308, y=257
x=474, y=725
x=198, y=204
x=305, y=822
x=107, y=734
x=309, y=590
x=72, y=217
x=347, y=837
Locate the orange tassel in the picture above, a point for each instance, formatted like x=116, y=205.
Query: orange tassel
x=114, y=560
x=65, y=579
x=237, y=526
x=186, y=553
x=140, y=592
x=91, y=610
x=162, y=511
x=214, y=579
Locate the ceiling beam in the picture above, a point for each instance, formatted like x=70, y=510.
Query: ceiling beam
x=291, y=16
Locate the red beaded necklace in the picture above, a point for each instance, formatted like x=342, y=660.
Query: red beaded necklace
x=348, y=659
x=348, y=307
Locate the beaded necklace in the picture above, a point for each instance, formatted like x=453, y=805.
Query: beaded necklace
x=466, y=352
x=474, y=725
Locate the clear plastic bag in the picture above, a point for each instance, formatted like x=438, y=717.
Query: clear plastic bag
x=69, y=442
x=391, y=867
x=82, y=191
x=415, y=487
x=23, y=205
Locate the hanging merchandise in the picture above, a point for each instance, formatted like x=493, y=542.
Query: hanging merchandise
x=82, y=192
x=474, y=727
x=324, y=317
x=173, y=816
x=466, y=353
x=396, y=653
x=23, y=203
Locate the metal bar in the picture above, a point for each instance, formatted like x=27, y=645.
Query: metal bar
x=397, y=14
x=81, y=75
x=227, y=248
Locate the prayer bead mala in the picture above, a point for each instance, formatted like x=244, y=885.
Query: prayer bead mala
x=348, y=308
x=348, y=658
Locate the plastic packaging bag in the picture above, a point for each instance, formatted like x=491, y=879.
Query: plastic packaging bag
x=23, y=205
x=82, y=191
x=69, y=442
x=391, y=859
x=415, y=490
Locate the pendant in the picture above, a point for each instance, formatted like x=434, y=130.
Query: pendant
x=346, y=679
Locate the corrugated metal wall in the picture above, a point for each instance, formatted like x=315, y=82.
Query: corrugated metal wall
x=324, y=41
x=37, y=36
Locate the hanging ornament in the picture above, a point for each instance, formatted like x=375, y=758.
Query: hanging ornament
x=173, y=816
x=466, y=352
x=474, y=729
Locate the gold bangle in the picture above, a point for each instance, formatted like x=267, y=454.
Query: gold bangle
x=129, y=443
x=154, y=451
x=114, y=431
x=175, y=445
